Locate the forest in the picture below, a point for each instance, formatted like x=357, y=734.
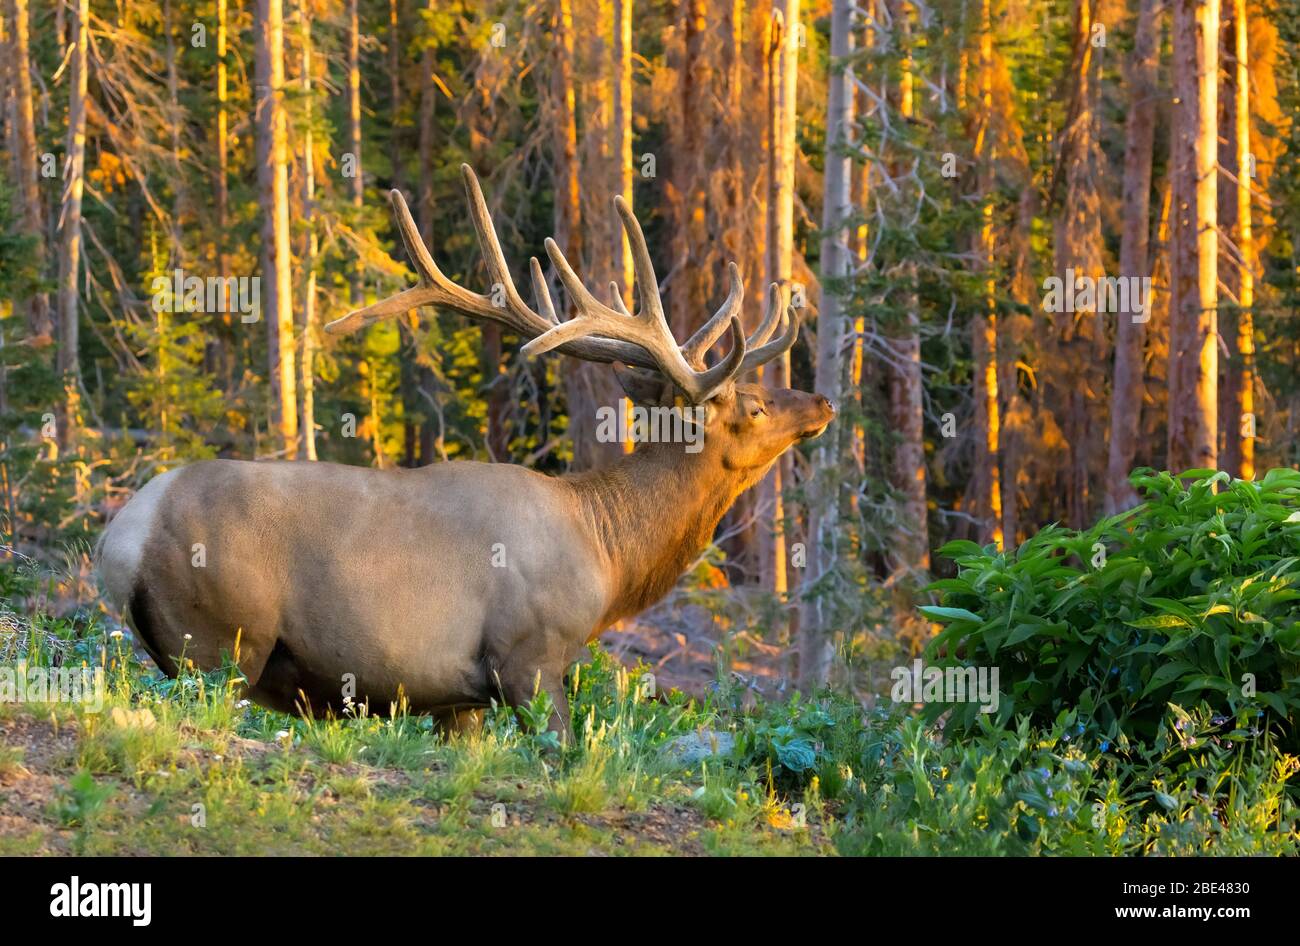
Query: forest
x=1041, y=256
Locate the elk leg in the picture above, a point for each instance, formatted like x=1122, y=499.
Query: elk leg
x=459, y=721
x=166, y=634
x=519, y=685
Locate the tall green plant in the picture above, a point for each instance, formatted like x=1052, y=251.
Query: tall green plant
x=1190, y=597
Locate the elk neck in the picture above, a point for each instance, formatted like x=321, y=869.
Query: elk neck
x=652, y=512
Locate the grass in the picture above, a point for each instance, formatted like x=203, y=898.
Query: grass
x=187, y=766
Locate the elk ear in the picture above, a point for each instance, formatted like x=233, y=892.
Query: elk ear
x=644, y=387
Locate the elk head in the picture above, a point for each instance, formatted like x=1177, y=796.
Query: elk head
x=747, y=426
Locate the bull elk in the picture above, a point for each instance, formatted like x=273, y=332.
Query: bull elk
x=462, y=582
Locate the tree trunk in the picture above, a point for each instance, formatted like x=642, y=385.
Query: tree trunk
x=1193, y=349
x=782, y=85
x=744, y=243
x=587, y=386
x=816, y=626
x=358, y=187
x=688, y=296
x=621, y=146
x=39, y=322
x=428, y=129
x=591, y=387
x=984, y=348
x=1239, y=420
x=1130, y=329
x=906, y=392
x=70, y=257
x=310, y=248
x=1079, y=339
x=430, y=437
x=175, y=119
x=394, y=94
x=217, y=350
x=273, y=193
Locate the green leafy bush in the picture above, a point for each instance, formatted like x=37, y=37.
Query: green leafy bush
x=799, y=740
x=1190, y=597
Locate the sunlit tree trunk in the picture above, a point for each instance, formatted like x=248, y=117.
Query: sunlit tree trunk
x=273, y=192
x=687, y=298
x=428, y=116
x=217, y=358
x=1077, y=253
x=621, y=127
x=394, y=93
x=430, y=445
x=1193, y=349
x=357, y=182
x=906, y=395
x=783, y=84
x=310, y=248
x=984, y=349
x=1130, y=328
x=175, y=118
x=587, y=387
x=39, y=322
x=70, y=234
x=741, y=240
x=816, y=626
x=1239, y=423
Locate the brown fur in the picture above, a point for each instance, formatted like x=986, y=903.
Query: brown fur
x=323, y=571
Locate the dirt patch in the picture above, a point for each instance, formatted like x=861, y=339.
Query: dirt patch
x=683, y=644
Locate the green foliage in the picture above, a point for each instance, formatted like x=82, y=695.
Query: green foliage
x=1039, y=790
x=1188, y=598
x=803, y=776
x=80, y=799
x=798, y=742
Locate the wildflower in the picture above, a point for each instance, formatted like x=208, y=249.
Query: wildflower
x=116, y=635
x=1105, y=744
x=243, y=704
x=189, y=637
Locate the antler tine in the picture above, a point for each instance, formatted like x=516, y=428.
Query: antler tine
x=419, y=254
x=760, y=356
x=493, y=258
x=727, y=370
x=542, y=291
x=708, y=334
x=416, y=296
x=775, y=310
x=617, y=295
x=646, y=280
x=648, y=328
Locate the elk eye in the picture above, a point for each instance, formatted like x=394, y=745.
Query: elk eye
x=758, y=409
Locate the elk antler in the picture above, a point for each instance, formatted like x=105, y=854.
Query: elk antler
x=596, y=332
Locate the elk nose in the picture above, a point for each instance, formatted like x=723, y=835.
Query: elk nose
x=824, y=401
